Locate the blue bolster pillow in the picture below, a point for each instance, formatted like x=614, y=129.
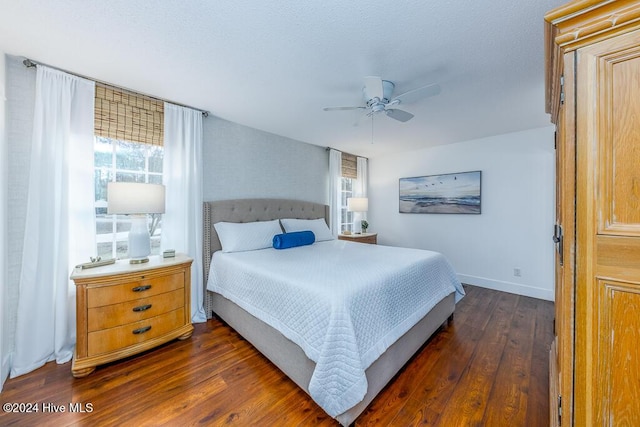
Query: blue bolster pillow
x=291, y=240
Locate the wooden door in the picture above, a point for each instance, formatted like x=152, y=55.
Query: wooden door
x=561, y=361
x=607, y=353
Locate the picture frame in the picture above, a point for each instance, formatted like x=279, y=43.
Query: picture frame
x=450, y=193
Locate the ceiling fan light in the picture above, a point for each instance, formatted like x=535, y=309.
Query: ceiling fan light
x=372, y=93
x=387, y=90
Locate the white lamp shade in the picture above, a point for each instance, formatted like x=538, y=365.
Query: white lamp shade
x=357, y=204
x=134, y=198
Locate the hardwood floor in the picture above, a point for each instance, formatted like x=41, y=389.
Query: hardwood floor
x=489, y=367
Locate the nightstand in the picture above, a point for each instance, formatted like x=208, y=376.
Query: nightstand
x=371, y=238
x=123, y=309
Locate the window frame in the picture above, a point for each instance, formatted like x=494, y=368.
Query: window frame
x=103, y=173
x=346, y=217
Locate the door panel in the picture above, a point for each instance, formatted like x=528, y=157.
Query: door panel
x=607, y=361
x=619, y=374
x=620, y=143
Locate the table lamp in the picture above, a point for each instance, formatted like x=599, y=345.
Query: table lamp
x=357, y=204
x=137, y=200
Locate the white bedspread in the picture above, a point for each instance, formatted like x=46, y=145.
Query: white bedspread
x=343, y=303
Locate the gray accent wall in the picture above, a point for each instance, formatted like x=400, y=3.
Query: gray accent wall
x=20, y=99
x=241, y=162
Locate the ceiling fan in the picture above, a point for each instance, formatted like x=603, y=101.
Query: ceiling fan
x=377, y=94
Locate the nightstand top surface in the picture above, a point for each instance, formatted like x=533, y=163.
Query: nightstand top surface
x=358, y=236
x=122, y=266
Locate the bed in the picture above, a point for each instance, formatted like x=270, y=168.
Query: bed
x=293, y=353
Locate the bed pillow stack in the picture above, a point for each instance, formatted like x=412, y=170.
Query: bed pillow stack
x=250, y=236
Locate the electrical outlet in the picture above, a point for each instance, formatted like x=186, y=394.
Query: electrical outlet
x=517, y=272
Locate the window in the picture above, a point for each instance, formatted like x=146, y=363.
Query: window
x=129, y=129
x=123, y=161
x=346, y=217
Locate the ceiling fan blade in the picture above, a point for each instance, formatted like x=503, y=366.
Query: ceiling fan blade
x=399, y=115
x=373, y=87
x=342, y=108
x=417, y=94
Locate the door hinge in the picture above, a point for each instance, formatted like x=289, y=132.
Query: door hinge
x=559, y=410
x=557, y=239
x=561, y=89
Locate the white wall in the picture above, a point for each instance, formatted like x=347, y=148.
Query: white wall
x=242, y=162
x=20, y=101
x=516, y=224
x=4, y=201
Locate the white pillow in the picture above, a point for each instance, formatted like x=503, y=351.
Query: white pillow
x=318, y=226
x=247, y=236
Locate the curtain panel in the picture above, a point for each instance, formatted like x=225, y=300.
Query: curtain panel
x=60, y=219
x=182, y=177
x=361, y=182
x=335, y=190
x=4, y=232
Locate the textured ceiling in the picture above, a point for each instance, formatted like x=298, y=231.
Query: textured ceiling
x=274, y=65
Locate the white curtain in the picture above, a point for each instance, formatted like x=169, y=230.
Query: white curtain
x=335, y=190
x=4, y=235
x=182, y=176
x=60, y=220
x=361, y=182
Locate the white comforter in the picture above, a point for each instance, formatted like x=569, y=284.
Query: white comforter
x=343, y=303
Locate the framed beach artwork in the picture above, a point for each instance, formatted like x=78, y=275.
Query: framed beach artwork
x=451, y=193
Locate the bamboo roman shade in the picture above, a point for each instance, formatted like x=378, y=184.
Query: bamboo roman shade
x=128, y=116
x=349, y=166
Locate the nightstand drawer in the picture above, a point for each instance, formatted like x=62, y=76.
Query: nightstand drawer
x=371, y=238
x=109, y=316
x=133, y=333
x=143, y=287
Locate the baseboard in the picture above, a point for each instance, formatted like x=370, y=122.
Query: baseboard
x=513, y=288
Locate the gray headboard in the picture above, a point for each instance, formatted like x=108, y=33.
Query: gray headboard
x=250, y=210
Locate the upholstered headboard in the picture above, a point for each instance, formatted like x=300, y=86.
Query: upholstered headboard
x=250, y=210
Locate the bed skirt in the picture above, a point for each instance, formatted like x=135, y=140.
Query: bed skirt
x=291, y=360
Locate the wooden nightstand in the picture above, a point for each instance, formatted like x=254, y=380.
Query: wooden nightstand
x=123, y=309
x=371, y=238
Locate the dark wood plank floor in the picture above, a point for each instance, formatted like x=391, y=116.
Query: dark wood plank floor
x=488, y=368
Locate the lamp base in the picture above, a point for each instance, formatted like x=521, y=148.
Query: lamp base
x=139, y=240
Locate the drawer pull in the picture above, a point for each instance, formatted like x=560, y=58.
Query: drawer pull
x=141, y=288
x=142, y=307
x=141, y=330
